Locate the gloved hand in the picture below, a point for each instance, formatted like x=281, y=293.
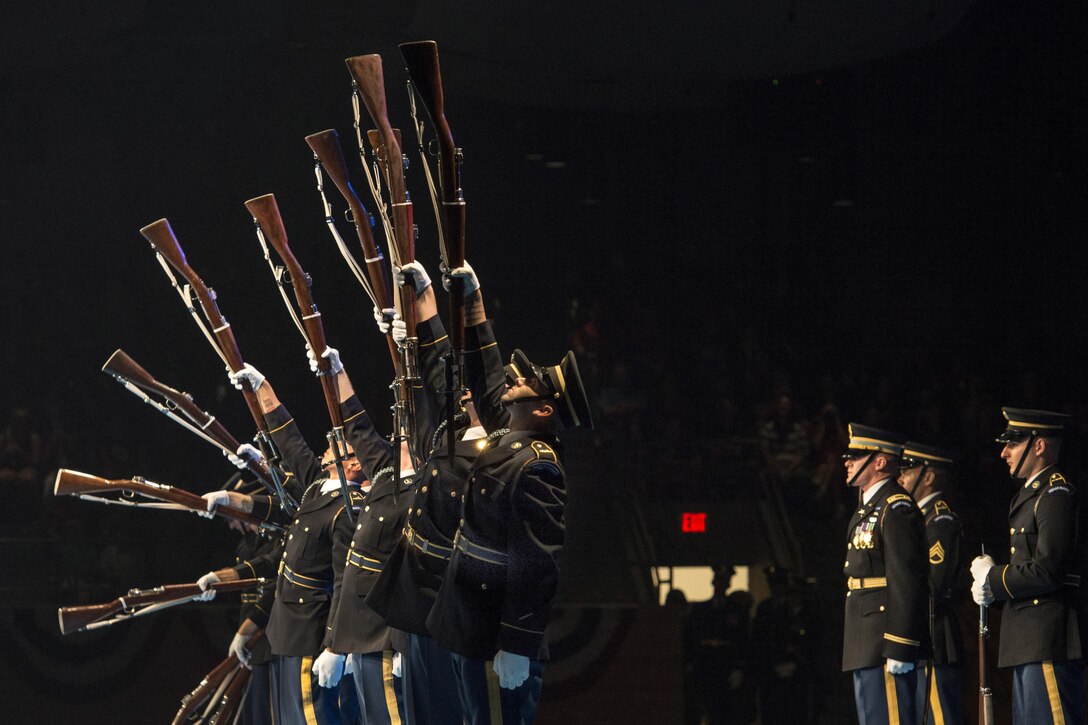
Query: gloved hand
x=349, y=665
x=248, y=374
x=466, y=273
x=412, y=272
x=215, y=499
x=244, y=455
x=204, y=582
x=980, y=592
x=238, y=648
x=898, y=667
x=329, y=668
x=398, y=664
x=981, y=566
x=397, y=327
x=331, y=354
x=512, y=669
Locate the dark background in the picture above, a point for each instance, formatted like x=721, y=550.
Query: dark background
x=879, y=207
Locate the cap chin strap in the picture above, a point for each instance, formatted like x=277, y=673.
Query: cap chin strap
x=918, y=481
x=532, y=399
x=1023, y=456
x=865, y=465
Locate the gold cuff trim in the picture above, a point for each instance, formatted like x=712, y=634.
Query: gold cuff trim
x=901, y=640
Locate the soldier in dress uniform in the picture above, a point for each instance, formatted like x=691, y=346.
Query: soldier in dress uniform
x=926, y=472
x=410, y=580
x=1042, y=623
x=887, y=582
x=313, y=559
x=497, y=593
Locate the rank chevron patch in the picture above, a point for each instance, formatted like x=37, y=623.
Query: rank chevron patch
x=936, y=553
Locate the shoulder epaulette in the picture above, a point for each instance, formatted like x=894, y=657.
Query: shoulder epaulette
x=897, y=497
x=544, y=452
x=1057, y=483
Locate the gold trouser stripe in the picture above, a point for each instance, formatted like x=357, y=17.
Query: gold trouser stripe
x=387, y=684
x=306, y=680
x=893, y=699
x=493, y=696
x=934, y=698
x=1052, y=693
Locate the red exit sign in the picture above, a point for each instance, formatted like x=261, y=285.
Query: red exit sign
x=693, y=522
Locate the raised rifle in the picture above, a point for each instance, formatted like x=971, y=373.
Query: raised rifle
x=126, y=491
x=171, y=403
x=369, y=85
x=139, y=602
x=425, y=79
x=221, y=338
x=266, y=217
x=212, y=682
x=985, y=694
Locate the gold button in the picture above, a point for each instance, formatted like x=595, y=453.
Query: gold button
x=453, y=493
x=366, y=509
x=484, y=586
x=424, y=489
x=306, y=529
x=1012, y=549
x=1034, y=601
x=358, y=526
x=296, y=521
x=848, y=594
x=381, y=518
x=882, y=607
x=846, y=564
x=419, y=511
x=290, y=536
x=434, y=471
x=1021, y=529
x=483, y=491
x=300, y=600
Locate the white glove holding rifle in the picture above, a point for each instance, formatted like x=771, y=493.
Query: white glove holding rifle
x=331, y=354
x=980, y=588
x=512, y=669
x=248, y=374
x=204, y=583
x=412, y=272
x=245, y=454
x=464, y=273
x=329, y=668
x=391, y=324
x=238, y=648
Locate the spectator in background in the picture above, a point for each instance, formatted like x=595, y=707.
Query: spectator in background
x=718, y=650
x=785, y=447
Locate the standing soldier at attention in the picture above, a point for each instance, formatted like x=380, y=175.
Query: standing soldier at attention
x=926, y=472
x=498, y=589
x=1041, y=627
x=887, y=582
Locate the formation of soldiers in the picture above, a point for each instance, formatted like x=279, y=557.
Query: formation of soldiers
x=427, y=601
x=904, y=548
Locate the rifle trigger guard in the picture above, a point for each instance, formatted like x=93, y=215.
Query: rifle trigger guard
x=432, y=147
x=348, y=216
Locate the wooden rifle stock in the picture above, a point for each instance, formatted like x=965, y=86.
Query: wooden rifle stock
x=76, y=483
x=421, y=59
x=165, y=243
x=231, y=699
x=211, y=682
x=267, y=213
x=74, y=619
x=326, y=146
x=125, y=369
x=366, y=70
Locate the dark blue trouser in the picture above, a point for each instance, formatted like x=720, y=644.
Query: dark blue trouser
x=296, y=697
x=485, y=703
x=430, y=684
x=375, y=687
x=1048, y=692
x=945, y=695
x=257, y=707
x=883, y=699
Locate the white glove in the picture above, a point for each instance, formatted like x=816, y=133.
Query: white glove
x=413, y=272
x=204, y=582
x=248, y=374
x=329, y=668
x=980, y=592
x=396, y=328
x=331, y=354
x=349, y=666
x=981, y=566
x=238, y=648
x=243, y=456
x=398, y=663
x=898, y=667
x=466, y=273
x=512, y=669
x=215, y=499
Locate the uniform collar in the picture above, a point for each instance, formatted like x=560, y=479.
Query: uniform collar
x=476, y=431
x=869, y=495
x=1036, y=476
x=927, y=499
x=333, y=484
